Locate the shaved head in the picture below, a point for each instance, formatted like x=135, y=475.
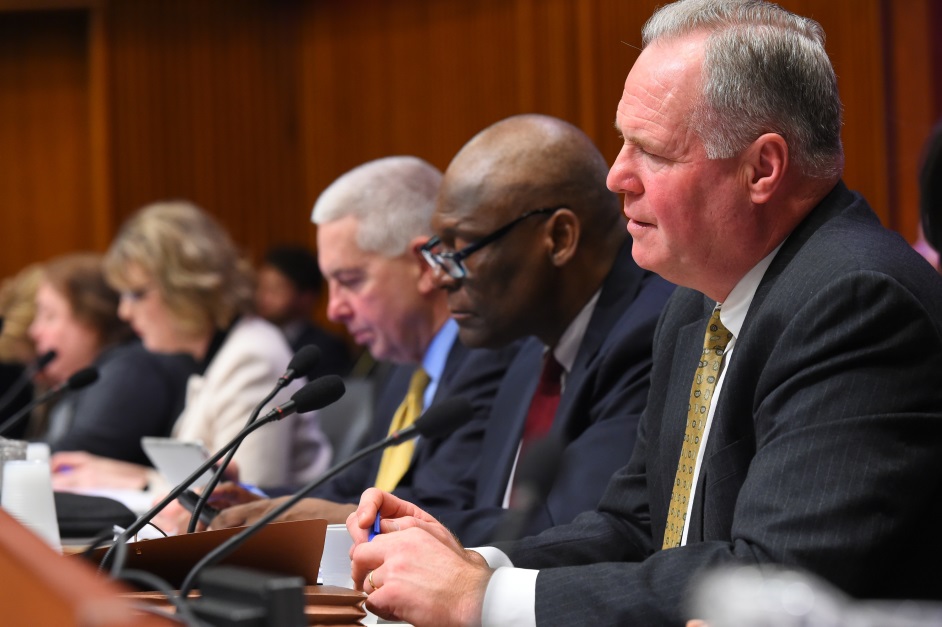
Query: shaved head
x=532, y=161
x=545, y=179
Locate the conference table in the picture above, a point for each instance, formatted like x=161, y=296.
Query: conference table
x=43, y=587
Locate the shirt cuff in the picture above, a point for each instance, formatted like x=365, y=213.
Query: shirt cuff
x=510, y=598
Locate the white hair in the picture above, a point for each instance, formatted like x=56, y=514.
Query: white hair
x=392, y=198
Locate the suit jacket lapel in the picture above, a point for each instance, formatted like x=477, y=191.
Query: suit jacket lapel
x=508, y=417
x=618, y=290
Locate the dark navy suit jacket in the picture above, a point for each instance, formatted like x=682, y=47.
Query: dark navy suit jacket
x=598, y=413
x=472, y=373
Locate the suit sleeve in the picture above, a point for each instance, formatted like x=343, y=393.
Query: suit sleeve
x=442, y=477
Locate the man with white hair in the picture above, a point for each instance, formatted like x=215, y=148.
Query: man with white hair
x=372, y=223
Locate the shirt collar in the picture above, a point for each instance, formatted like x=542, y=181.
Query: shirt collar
x=433, y=362
x=736, y=305
x=567, y=348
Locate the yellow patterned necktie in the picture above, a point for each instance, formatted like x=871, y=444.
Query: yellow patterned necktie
x=396, y=459
x=701, y=394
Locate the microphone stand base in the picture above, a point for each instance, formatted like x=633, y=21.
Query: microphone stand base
x=232, y=596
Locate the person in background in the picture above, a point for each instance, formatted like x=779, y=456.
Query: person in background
x=795, y=411
x=288, y=285
x=185, y=289
x=929, y=242
x=137, y=392
x=17, y=352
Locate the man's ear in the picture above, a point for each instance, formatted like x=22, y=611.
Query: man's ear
x=425, y=274
x=562, y=236
x=765, y=164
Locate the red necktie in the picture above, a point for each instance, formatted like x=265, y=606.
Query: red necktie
x=545, y=401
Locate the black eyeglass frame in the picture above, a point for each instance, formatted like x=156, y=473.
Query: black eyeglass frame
x=451, y=262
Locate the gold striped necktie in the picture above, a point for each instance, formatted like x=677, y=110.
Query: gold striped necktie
x=701, y=394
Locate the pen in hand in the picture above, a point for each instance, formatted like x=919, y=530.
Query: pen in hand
x=374, y=530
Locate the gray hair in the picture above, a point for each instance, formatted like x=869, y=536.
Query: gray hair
x=196, y=266
x=765, y=70
x=392, y=198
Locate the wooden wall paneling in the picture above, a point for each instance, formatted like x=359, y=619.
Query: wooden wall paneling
x=251, y=108
x=423, y=77
x=45, y=188
x=206, y=109
x=99, y=124
x=854, y=41
x=617, y=37
x=911, y=26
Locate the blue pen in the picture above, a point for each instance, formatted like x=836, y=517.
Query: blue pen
x=374, y=530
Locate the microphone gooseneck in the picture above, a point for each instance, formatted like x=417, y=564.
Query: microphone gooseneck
x=42, y=361
x=77, y=381
x=537, y=471
x=25, y=377
x=312, y=396
x=301, y=364
x=440, y=419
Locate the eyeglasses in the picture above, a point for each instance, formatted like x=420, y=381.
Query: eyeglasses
x=451, y=262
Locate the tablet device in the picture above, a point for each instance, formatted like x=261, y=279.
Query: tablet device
x=176, y=460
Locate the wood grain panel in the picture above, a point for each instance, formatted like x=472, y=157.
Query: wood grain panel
x=251, y=107
x=206, y=108
x=45, y=193
x=913, y=106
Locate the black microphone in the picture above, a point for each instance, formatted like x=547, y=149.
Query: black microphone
x=25, y=377
x=314, y=395
x=537, y=471
x=300, y=365
x=440, y=419
x=85, y=376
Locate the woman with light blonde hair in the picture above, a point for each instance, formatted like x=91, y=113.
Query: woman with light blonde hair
x=185, y=289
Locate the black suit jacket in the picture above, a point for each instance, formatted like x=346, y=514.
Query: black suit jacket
x=474, y=374
x=598, y=412
x=825, y=447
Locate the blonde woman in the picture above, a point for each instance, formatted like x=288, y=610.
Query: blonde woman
x=184, y=289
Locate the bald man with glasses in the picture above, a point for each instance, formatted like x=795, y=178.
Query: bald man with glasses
x=529, y=243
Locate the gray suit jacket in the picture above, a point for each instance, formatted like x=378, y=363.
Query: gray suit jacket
x=826, y=447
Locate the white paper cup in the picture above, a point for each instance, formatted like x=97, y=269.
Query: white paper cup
x=10, y=450
x=335, y=562
x=27, y=496
x=37, y=452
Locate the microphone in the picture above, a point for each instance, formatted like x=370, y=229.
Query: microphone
x=25, y=377
x=440, y=419
x=535, y=476
x=85, y=376
x=300, y=365
x=314, y=395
